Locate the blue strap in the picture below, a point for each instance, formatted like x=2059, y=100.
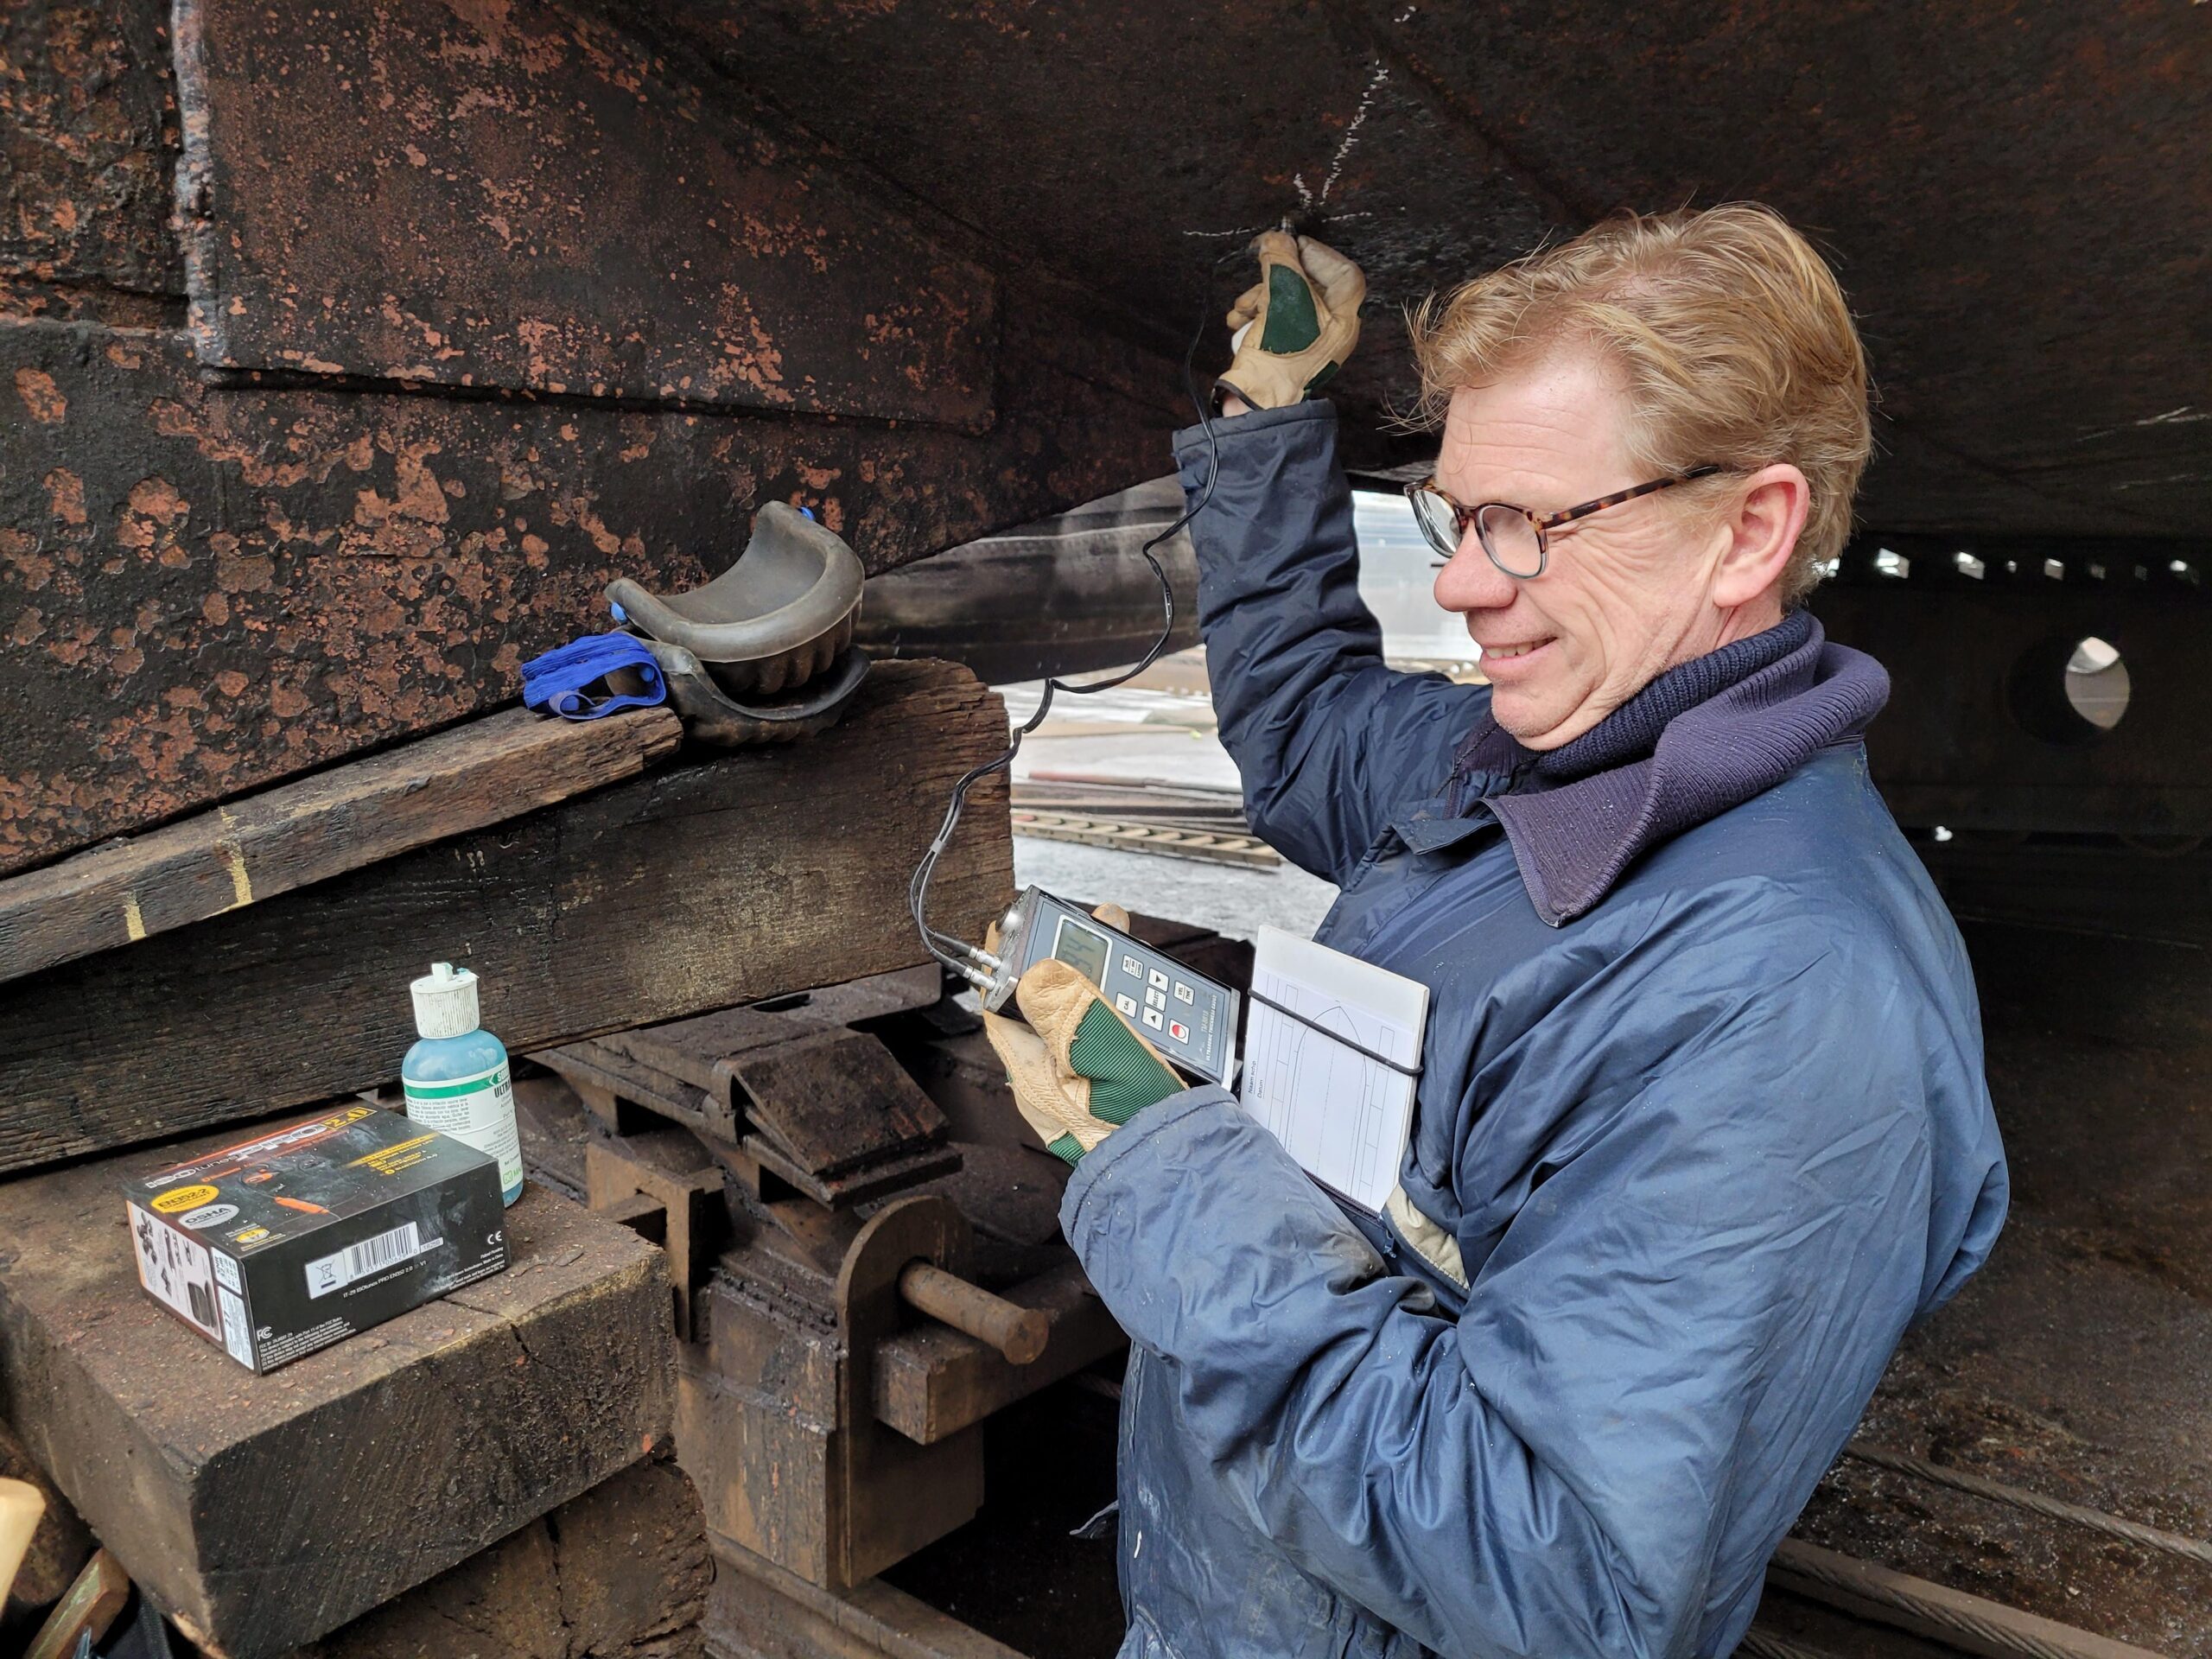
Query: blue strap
x=558, y=681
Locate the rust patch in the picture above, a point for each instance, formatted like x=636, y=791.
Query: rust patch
x=41, y=398
x=65, y=496
x=24, y=296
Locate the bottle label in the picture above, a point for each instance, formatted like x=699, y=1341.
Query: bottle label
x=478, y=1110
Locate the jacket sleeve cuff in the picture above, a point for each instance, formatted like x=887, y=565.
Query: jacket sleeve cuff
x=1129, y=1140
x=1198, y=1230
x=1191, y=441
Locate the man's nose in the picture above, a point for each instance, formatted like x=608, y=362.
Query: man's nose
x=1469, y=581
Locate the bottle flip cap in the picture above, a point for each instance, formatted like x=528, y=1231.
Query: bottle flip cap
x=445, y=1002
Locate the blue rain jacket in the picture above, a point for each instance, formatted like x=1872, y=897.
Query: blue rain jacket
x=1705, y=1151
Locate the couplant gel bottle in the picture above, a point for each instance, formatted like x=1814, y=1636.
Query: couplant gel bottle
x=455, y=1079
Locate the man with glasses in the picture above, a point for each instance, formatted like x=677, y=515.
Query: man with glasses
x=1701, y=1122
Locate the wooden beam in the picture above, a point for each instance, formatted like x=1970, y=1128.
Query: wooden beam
x=87, y=1611
x=758, y=1610
x=932, y=1381
x=621, y=1573
x=1970, y=1623
x=737, y=878
x=476, y=774
x=265, y=1512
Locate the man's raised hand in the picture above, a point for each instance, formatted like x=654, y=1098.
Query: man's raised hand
x=1296, y=325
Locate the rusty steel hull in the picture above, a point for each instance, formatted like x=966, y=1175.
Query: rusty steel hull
x=203, y=590
x=346, y=356
x=2015, y=195
x=539, y=202
x=316, y=461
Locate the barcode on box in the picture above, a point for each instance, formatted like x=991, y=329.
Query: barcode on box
x=238, y=1335
x=341, y=1267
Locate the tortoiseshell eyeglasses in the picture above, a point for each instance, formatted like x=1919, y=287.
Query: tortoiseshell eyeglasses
x=1518, y=540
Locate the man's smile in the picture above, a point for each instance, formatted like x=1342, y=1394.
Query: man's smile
x=1516, y=652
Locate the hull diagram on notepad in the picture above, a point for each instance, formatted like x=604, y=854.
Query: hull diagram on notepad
x=1322, y=1099
x=1332, y=1055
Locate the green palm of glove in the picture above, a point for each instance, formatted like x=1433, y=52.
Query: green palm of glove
x=1299, y=321
x=1078, y=1070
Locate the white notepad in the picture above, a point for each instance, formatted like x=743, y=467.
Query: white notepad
x=1331, y=1057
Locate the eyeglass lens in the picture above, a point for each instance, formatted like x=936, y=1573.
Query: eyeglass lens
x=1506, y=535
x=1437, y=520
x=1510, y=540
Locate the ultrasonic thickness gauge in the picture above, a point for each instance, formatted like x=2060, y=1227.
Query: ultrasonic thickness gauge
x=1191, y=1020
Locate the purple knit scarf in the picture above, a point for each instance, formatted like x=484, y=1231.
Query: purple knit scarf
x=1703, y=737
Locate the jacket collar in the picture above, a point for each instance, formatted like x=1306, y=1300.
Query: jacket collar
x=1706, y=736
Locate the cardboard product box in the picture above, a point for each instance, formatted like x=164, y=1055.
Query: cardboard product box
x=285, y=1243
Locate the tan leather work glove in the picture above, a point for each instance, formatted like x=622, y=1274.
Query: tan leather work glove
x=1299, y=321
x=1078, y=1070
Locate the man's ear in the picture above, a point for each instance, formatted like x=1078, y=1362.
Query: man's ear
x=1762, y=530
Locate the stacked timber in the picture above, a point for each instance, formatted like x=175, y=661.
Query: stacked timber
x=497, y=1460
x=864, y=1241
x=679, y=891
x=289, y=491
x=260, y=1512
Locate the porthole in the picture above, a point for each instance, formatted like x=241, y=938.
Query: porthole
x=2070, y=690
x=2096, y=683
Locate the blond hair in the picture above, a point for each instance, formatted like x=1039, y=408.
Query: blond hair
x=1733, y=336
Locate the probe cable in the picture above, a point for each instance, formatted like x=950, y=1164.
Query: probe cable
x=971, y=963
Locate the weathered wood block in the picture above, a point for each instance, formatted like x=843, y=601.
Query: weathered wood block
x=265, y=1512
x=671, y=1169
x=760, y=1610
x=733, y=879
x=932, y=1381
x=82, y=1619
x=775, y=1412
x=621, y=1573
x=482, y=773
